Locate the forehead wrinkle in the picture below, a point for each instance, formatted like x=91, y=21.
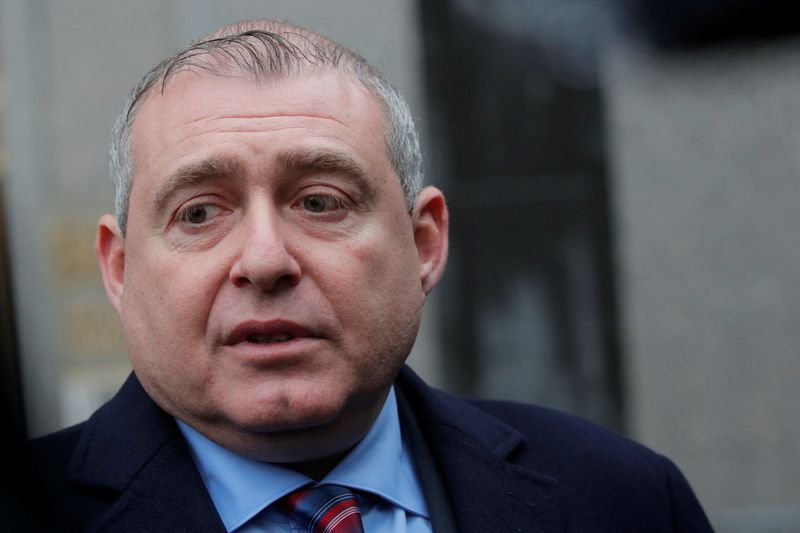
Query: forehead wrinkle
x=250, y=121
x=213, y=168
x=162, y=99
x=185, y=132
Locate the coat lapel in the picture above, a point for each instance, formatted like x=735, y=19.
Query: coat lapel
x=475, y=451
x=134, y=450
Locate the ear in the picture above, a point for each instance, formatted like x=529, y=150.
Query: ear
x=109, y=246
x=430, y=220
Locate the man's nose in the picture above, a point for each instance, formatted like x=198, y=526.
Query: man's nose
x=264, y=259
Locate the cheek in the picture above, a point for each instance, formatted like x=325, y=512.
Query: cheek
x=165, y=311
x=391, y=268
x=166, y=305
x=376, y=290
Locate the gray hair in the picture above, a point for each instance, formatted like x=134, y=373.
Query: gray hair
x=263, y=50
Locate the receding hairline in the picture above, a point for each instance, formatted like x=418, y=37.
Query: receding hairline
x=320, y=53
x=272, y=26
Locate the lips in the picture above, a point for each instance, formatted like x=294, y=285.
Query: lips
x=267, y=332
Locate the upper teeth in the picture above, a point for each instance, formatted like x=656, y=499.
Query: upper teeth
x=265, y=339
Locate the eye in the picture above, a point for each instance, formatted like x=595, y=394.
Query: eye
x=198, y=214
x=320, y=203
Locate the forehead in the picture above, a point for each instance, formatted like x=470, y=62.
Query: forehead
x=199, y=111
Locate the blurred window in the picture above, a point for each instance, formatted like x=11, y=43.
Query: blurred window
x=518, y=135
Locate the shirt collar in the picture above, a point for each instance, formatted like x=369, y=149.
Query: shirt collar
x=380, y=464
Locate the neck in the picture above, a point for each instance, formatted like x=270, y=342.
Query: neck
x=317, y=469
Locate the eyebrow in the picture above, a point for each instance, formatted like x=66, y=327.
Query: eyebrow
x=195, y=173
x=302, y=161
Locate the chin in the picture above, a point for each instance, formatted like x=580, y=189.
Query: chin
x=285, y=413
x=286, y=423
x=288, y=438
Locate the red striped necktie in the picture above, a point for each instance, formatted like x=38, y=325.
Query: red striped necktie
x=325, y=509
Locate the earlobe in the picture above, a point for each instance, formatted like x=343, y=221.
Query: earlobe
x=109, y=247
x=430, y=236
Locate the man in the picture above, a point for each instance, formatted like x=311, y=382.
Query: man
x=269, y=259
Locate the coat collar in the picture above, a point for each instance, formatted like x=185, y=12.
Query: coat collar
x=475, y=453
x=132, y=447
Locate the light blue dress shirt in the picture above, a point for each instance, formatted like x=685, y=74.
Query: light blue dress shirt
x=380, y=468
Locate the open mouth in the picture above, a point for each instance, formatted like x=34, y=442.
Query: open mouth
x=256, y=338
x=264, y=332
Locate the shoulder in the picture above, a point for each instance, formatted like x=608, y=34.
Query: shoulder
x=545, y=432
x=82, y=470
x=47, y=458
x=43, y=476
x=553, y=432
x=599, y=468
x=597, y=477
x=56, y=447
x=570, y=444
x=543, y=439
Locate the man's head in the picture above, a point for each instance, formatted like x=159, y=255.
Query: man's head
x=268, y=266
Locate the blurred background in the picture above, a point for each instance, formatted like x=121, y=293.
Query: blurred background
x=624, y=185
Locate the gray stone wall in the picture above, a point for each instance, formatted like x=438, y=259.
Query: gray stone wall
x=706, y=184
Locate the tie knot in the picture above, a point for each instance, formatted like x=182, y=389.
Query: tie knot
x=325, y=509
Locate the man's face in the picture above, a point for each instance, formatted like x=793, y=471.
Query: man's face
x=271, y=280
